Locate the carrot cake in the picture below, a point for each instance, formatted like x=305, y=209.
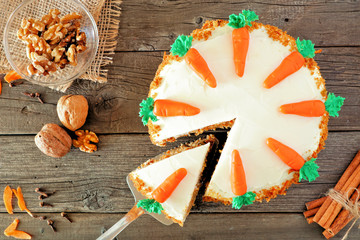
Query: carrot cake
x=171, y=182
x=256, y=80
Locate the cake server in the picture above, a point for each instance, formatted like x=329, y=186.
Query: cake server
x=132, y=215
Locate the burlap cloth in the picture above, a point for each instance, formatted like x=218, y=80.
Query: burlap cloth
x=106, y=14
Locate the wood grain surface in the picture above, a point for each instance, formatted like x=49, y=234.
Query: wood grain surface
x=92, y=187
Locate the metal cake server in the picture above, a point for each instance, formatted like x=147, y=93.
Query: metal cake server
x=132, y=215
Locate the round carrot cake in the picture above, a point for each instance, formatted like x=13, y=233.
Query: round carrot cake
x=260, y=83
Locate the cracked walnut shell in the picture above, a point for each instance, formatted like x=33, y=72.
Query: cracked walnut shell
x=84, y=139
x=53, y=140
x=72, y=111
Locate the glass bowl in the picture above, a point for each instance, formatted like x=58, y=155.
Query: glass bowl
x=15, y=49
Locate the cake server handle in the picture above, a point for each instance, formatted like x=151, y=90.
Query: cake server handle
x=133, y=214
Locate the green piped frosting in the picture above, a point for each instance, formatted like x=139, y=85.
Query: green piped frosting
x=250, y=16
x=181, y=45
x=146, y=110
x=333, y=104
x=243, y=200
x=150, y=205
x=309, y=171
x=243, y=19
x=305, y=48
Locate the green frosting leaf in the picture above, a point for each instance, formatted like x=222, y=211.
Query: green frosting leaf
x=246, y=199
x=249, y=17
x=305, y=48
x=333, y=104
x=146, y=110
x=243, y=19
x=181, y=45
x=309, y=171
x=150, y=205
x=237, y=21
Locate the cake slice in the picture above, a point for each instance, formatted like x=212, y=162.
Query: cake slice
x=180, y=169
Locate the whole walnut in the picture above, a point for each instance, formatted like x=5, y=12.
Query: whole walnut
x=53, y=140
x=72, y=111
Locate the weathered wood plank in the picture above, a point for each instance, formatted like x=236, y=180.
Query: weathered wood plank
x=96, y=182
x=154, y=25
x=197, y=226
x=114, y=106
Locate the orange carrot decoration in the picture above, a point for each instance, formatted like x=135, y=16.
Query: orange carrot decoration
x=311, y=108
x=7, y=199
x=0, y=87
x=12, y=227
x=240, y=38
x=164, y=191
x=12, y=76
x=288, y=155
x=199, y=65
x=169, y=108
x=238, y=179
x=288, y=66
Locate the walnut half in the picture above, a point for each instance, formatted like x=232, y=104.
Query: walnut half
x=84, y=139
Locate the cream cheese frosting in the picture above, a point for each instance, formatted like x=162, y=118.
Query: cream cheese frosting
x=192, y=160
x=254, y=107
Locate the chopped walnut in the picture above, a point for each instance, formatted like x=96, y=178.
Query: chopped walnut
x=52, y=41
x=67, y=40
x=63, y=62
x=57, y=53
x=51, y=18
x=31, y=69
x=72, y=55
x=55, y=33
x=70, y=17
x=73, y=26
x=43, y=65
x=84, y=139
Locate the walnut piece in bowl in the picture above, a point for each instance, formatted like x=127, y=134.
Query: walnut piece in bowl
x=52, y=43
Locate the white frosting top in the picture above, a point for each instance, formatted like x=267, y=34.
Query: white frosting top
x=254, y=107
x=153, y=175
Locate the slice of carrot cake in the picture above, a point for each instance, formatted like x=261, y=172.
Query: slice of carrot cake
x=172, y=182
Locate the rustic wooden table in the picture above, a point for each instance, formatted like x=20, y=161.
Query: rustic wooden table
x=92, y=187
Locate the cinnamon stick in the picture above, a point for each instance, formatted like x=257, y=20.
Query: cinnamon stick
x=327, y=234
x=335, y=207
x=310, y=220
x=311, y=212
x=346, y=175
x=315, y=203
x=343, y=218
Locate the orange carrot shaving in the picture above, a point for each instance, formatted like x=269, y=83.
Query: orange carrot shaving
x=311, y=108
x=288, y=66
x=20, y=234
x=7, y=199
x=12, y=76
x=20, y=197
x=0, y=87
x=169, y=108
x=21, y=201
x=12, y=227
x=288, y=155
x=164, y=191
x=318, y=51
x=238, y=179
x=240, y=38
x=199, y=65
